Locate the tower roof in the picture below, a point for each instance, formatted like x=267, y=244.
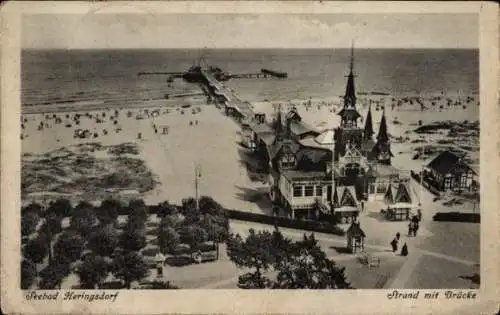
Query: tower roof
x=368, y=132
x=350, y=91
x=382, y=132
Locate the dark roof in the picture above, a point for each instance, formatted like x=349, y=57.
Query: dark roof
x=302, y=175
x=382, y=131
x=368, y=131
x=355, y=229
x=444, y=162
x=299, y=128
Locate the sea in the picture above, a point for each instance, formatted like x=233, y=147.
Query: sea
x=77, y=77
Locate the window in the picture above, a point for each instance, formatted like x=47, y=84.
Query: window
x=319, y=190
x=297, y=191
x=288, y=160
x=309, y=191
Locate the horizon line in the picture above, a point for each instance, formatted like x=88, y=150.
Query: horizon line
x=251, y=48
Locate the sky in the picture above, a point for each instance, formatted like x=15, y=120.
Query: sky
x=131, y=31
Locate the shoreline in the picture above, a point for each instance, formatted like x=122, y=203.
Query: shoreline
x=329, y=101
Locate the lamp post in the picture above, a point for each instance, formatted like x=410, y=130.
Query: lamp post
x=197, y=175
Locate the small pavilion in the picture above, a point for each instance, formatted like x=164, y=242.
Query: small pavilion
x=355, y=238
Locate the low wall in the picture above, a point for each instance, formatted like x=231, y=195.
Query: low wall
x=308, y=225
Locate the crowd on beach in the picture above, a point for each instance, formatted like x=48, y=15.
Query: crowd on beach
x=110, y=120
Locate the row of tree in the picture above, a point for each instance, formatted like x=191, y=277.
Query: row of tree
x=101, y=245
x=293, y=265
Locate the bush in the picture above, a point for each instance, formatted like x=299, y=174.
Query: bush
x=457, y=217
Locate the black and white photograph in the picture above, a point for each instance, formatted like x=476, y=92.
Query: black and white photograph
x=251, y=151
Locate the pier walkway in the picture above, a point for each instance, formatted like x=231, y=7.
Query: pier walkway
x=231, y=99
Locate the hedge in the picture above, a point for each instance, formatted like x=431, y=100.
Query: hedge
x=457, y=217
x=308, y=225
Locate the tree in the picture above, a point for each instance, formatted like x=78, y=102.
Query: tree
x=61, y=208
x=68, y=247
x=254, y=252
x=28, y=274
x=168, y=239
x=29, y=221
x=132, y=240
x=308, y=268
x=193, y=235
x=138, y=210
x=129, y=267
x=209, y=206
x=103, y=241
x=108, y=211
x=299, y=265
x=217, y=227
x=53, y=275
x=189, y=211
x=92, y=271
x=83, y=218
x=35, y=250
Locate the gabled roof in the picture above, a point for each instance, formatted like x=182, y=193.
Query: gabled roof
x=355, y=230
x=398, y=193
x=342, y=196
x=444, y=162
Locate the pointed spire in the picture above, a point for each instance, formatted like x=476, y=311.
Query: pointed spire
x=382, y=132
x=350, y=92
x=368, y=132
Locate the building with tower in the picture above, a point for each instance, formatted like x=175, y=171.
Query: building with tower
x=313, y=177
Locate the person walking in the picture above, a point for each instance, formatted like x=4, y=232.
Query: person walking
x=394, y=242
x=410, y=228
x=404, y=250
